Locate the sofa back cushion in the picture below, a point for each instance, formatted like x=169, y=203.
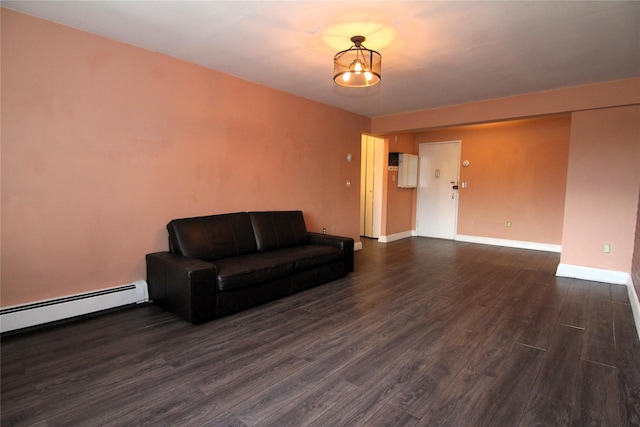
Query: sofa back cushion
x=212, y=237
x=278, y=229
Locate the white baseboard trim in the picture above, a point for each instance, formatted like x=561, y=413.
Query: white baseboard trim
x=548, y=247
x=635, y=305
x=394, y=237
x=357, y=246
x=47, y=311
x=594, y=274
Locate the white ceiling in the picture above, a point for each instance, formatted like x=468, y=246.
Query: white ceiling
x=434, y=53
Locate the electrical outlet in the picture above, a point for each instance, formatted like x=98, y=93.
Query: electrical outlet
x=606, y=248
x=324, y=230
x=509, y=223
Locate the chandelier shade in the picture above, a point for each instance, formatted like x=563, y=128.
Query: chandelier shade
x=357, y=66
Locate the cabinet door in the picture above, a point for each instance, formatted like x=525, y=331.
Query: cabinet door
x=407, y=171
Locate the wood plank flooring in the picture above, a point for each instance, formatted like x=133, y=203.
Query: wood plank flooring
x=424, y=332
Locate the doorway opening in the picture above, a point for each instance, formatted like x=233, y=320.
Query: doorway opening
x=371, y=185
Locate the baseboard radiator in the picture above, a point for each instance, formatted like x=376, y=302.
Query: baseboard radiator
x=43, y=312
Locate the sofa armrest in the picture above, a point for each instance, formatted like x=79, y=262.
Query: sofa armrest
x=344, y=243
x=186, y=286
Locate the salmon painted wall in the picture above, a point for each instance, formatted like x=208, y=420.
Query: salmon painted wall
x=602, y=188
x=401, y=210
x=551, y=102
x=103, y=143
x=517, y=173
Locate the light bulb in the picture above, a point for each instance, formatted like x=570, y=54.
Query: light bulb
x=357, y=66
x=368, y=75
x=346, y=76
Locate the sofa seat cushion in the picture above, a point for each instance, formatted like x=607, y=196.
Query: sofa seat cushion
x=306, y=257
x=246, y=270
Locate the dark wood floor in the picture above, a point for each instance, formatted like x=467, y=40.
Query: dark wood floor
x=424, y=332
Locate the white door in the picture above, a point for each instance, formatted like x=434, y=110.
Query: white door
x=437, y=204
x=371, y=186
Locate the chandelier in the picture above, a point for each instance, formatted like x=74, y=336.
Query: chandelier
x=357, y=66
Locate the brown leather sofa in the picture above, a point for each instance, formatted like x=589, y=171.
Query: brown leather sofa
x=221, y=264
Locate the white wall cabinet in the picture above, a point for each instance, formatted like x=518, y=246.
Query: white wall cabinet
x=407, y=170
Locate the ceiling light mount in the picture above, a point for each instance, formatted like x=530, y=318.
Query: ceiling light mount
x=357, y=66
x=357, y=40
